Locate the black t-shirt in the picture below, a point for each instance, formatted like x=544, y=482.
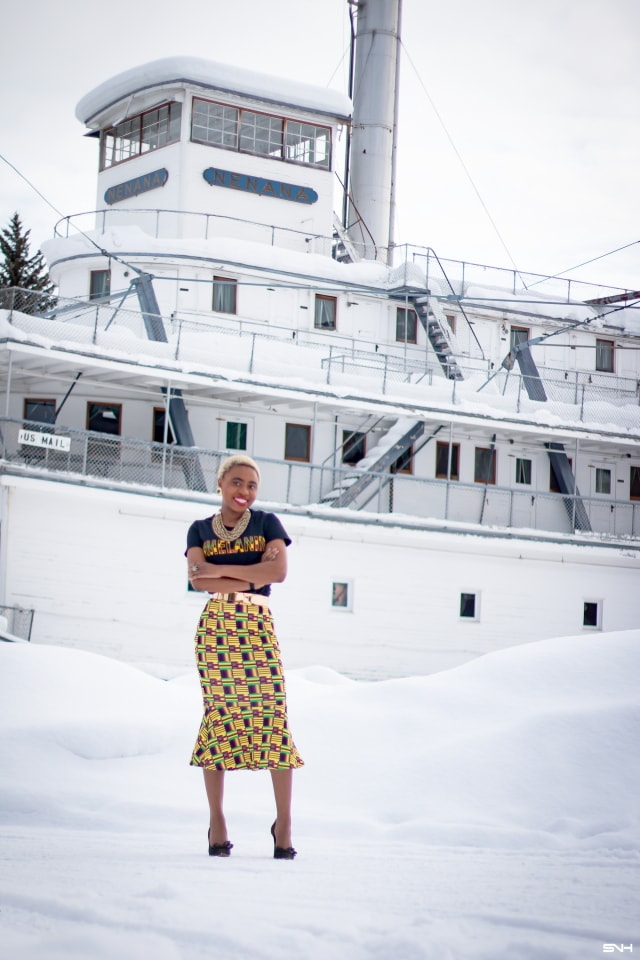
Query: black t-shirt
x=263, y=527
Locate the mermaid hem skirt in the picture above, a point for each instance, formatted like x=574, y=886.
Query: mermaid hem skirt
x=244, y=724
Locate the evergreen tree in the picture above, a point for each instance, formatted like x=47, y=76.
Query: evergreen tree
x=36, y=292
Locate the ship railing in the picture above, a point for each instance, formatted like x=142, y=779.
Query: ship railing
x=421, y=265
x=120, y=463
x=194, y=225
x=415, y=263
x=267, y=349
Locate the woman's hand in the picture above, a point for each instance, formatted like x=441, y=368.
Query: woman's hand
x=271, y=553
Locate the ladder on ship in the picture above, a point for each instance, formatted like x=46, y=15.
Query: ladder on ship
x=396, y=442
x=560, y=464
x=435, y=323
x=343, y=249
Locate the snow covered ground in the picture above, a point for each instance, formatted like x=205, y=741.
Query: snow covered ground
x=489, y=812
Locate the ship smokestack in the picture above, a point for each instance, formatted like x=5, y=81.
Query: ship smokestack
x=371, y=186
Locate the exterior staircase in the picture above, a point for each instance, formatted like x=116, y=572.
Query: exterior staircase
x=343, y=249
x=435, y=323
x=389, y=449
x=576, y=511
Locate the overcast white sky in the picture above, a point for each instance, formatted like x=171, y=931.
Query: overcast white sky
x=540, y=100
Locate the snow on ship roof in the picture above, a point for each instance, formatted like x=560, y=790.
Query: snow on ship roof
x=222, y=77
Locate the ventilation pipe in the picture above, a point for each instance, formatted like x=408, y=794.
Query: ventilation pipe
x=370, y=209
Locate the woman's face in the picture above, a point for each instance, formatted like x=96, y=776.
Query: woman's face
x=239, y=488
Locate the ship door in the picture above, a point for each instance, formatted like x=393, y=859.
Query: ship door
x=523, y=498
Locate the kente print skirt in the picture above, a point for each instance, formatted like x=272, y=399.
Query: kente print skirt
x=244, y=726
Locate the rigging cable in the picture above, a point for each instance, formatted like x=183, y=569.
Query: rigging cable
x=105, y=253
x=558, y=276
x=462, y=163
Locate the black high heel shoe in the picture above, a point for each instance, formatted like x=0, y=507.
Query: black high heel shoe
x=218, y=849
x=281, y=853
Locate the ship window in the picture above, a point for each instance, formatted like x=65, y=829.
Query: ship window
x=140, y=134
x=353, y=446
x=236, y=436
x=261, y=134
x=297, y=442
x=518, y=335
x=523, y=471
x=591, y=614
x=224, y=295
x=341, y=595
x=448, y=461
x=634, y=483
x=99, y=284
x=159, y=419
x=554, y=486
x=469, y=606
x=603, y=480
x=214, y=123
x=604, y=355
x=325, y=312
x=305, y=143
x=485, y=465
x=40, y=411
x=451, y=320
x=406, y=325
x=404, y=463
x=104, y=417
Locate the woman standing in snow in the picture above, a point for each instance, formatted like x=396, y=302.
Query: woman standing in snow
x=236, y=555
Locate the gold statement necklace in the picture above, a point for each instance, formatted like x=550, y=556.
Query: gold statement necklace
x=221, y=531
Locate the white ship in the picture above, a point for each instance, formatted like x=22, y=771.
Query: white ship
x=430, y=432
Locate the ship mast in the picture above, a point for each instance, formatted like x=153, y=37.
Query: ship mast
x=370, y=209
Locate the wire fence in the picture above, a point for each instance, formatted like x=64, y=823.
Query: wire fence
x=256, y=348
x=118, y=462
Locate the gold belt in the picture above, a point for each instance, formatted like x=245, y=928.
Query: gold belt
x=257, y=599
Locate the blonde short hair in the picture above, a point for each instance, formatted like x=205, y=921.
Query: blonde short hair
x=237, y=460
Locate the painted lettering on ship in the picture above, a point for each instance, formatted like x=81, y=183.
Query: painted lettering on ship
x=132, y=188
x=259, y=185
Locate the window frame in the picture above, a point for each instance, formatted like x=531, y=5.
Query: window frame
x=524, y=460
x=347, y=606
x=353, y=440
x=132, y=132
x=515, y=340
x=324, y=298
x=114, y=406
x=236, y=423
x=605, y=348
x=404, y=463
x=157, y=427
x=475, y=617
x=48, y=403
x=443, y=446
x=99, y=290
x=315, y=139
x=601, y=473
x=298, y=426
x=598, y=604
x=493, y=463
x=554, y=486
x=634, y=481
x=226, y=288
x=403, y=317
